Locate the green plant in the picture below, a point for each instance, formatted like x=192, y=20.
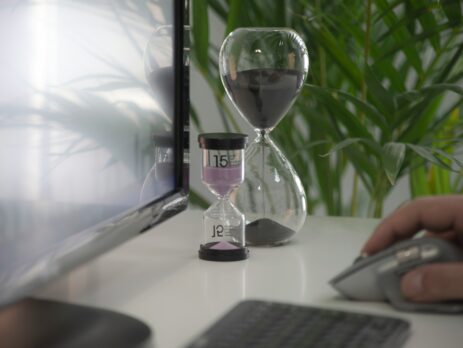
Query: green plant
x=383, y=95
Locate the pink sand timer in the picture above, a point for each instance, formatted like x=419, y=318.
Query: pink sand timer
x=223, y=171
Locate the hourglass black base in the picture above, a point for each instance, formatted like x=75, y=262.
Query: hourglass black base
x=209, y=253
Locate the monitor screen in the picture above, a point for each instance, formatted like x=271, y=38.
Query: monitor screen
x=93, y=106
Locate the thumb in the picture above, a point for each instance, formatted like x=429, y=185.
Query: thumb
x=435, y=282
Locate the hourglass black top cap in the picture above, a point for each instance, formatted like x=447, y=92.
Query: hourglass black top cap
x=222, y=141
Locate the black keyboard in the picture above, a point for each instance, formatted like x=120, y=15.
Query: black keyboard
x=265, y=324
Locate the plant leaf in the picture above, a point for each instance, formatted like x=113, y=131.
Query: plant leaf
x=428, y=21
x=417, y=179
x=452, y=9
x=441, y=180
x=200, y=30
x=219, y=8
x=306, y=147
x=338, y=54
x=338, y=110
x=234, y=15
x=195, y=119
x=442, y=87
x=420, y=116
x=403, y=44
x=343, y=144
x=456, y=58
x=448, y=156
x=427, y=92
x=376, y=117
x=401, y=35
x=393, y=158
x=427, y=154
x=419, y=121
x=197, y=200
x=383, y=97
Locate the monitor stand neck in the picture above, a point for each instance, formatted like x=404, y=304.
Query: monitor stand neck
x=34, y=323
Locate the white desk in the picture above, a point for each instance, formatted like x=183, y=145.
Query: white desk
x=158, y=278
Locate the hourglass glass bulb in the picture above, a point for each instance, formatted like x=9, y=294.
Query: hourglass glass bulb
x=223, y=170
x=263, y=70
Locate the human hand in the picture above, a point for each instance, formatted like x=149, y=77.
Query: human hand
x=441, y=216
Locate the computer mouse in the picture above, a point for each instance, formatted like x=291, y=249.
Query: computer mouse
x=377, y=277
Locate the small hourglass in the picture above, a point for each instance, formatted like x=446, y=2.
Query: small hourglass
x=160, y=177
x=223, y=171
x=263, y=70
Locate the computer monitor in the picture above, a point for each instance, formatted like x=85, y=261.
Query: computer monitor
x=93, y=130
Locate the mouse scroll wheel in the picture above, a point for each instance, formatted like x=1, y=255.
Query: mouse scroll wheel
x=408, y=254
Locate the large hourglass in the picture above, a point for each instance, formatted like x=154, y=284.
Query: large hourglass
x=263, y=71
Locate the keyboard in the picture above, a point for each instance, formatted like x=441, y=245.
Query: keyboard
x=263, y=324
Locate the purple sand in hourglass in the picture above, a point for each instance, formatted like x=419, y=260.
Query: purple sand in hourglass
x=223, y=245
x=264, y=95
x=222, y=180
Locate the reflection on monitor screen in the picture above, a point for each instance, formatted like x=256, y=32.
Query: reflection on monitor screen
x=86, y=118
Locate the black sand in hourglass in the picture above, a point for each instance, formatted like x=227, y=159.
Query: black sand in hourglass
x=264, y=95
x=266, y=231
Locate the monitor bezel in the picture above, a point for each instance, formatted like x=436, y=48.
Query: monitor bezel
x=92, y=242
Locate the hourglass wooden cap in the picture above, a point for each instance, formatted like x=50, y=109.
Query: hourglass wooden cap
x=222, y=141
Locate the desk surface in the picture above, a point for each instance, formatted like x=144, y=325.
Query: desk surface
x=158, y=278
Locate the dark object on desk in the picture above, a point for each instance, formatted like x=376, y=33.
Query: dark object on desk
x=34, y=323
x=210, y=253
x=87, y=166
x=267, y=232
x=269, y=324
x=377, y=277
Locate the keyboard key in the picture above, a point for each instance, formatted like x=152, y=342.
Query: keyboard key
x=255, y=324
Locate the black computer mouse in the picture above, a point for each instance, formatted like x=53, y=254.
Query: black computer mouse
x=377, y=277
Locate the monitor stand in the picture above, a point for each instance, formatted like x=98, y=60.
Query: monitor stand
x=35, y=323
